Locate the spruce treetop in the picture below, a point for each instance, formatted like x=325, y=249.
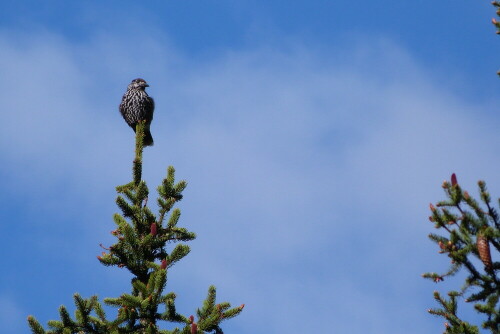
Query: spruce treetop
x=143, y=247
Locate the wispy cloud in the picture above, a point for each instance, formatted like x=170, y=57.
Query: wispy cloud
x=309, y=171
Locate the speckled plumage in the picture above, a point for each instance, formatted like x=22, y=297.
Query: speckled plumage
x=136, y=106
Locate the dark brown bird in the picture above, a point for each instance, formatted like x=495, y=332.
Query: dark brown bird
x=137, y=106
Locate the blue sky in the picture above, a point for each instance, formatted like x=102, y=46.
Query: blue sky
x=313, y=135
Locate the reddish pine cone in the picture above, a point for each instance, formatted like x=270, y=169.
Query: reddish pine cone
x=483, y=248
x=453, y=179
x=154, y=230
x=194, y=328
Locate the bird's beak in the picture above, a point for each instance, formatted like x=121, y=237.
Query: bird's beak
x=146, y=85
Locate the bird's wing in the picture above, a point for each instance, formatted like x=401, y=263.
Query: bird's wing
x=151, y=104
x=121, y=107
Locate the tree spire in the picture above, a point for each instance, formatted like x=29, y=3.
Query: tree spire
x=141, y=248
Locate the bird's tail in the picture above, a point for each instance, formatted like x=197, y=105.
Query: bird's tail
x=148, y=139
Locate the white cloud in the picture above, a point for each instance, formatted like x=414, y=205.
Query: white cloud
x=309, y=172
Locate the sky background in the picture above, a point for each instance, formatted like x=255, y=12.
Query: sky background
x=313, y=136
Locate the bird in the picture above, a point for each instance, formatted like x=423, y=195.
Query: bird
x=137, y=106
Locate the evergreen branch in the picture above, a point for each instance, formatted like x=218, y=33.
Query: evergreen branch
x=208, y=304
x=128, y=210
x=449, y=312
x=178, y=253
x=174, y=218
x=476, y=230
x=485, y=196
x=35, y=326
x=123, y=188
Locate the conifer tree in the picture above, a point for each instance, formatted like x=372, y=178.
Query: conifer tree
x=471, y=234
x=141, y=248
x=471, y=231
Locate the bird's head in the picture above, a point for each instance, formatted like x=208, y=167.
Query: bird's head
x=138, y=84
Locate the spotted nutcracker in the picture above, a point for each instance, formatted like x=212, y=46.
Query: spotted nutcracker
x=137, y=106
